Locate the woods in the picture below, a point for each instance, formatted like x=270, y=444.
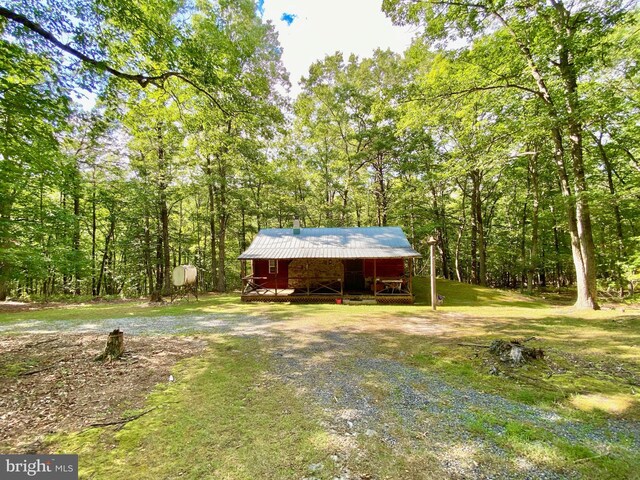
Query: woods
x=138, y=136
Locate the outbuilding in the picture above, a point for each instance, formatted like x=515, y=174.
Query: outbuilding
x=368, y=264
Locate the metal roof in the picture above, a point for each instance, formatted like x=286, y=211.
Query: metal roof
x=367, y=242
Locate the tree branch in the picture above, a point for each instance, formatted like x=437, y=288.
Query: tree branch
x=477, y=89
x=142, y=80
x=122, y=421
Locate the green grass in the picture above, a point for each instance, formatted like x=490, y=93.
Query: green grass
x=17, y=368
x=223, y=418
x=459, y=298
x=225, y=401
x=543, y=448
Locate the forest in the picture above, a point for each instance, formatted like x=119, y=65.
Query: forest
x=137, y=135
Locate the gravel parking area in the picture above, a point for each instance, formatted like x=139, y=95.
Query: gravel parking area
x=337, y=370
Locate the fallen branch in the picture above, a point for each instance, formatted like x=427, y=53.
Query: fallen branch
x=122, y=421
x=29, y=345
x=536, y=382
x=33, y=372
x=586, y=459
x=43, y=369
x=515, y=351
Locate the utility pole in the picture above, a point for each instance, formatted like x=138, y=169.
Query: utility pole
x=434, y=295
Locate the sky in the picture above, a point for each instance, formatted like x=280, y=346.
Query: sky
x=310, y=29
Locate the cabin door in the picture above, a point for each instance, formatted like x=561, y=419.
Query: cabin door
x=354, y=275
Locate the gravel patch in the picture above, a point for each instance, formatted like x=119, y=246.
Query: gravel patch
x=338, y=373
x=161, y=325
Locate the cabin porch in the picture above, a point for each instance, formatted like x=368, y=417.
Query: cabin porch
x=357, y=281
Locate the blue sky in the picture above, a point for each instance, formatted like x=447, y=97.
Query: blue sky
x=288, y=18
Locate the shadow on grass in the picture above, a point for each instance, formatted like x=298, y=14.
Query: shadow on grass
x=458, y=294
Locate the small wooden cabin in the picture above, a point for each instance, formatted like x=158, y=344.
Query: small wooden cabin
x=370, y=264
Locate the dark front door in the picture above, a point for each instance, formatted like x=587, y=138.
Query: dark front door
x=353, y=275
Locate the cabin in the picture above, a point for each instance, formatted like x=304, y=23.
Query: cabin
x=341, y=265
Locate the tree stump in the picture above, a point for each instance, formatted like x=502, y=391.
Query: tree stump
x=114, y=348
x=515, y=350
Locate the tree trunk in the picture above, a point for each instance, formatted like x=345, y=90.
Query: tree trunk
x=65, y=278
x=94, y=228
x=243, y=229
x=463, y=225
x=157, y=293
x=164, y=213
x=222, y=223
x=5, y=219
x=584, y=256
x=616, y=208
x=179, y=237
x=578, y=216
x=212, y=223
x=76, y=231
x=381, y=193
x=475, y=273
x=523, y=246
x=147, y=251
x=534, y=261
x=477, y=224
x=105, y=254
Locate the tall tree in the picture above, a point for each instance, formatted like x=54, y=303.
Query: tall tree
x=557, y=43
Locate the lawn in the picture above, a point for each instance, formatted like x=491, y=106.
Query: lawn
x=325, y=391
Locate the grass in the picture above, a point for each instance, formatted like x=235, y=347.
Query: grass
x=543, y=448
x=460, y=298
x=17, y=368
x=226, y=418
x=223, y=418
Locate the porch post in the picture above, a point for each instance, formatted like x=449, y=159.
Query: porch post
x=410, y=276
x=277, y=269
x=432, y=253
x=375, y=279
x=243, y=273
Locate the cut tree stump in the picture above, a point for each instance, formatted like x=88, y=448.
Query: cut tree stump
x=512, y=350
x=515, y=350
x=114, y=348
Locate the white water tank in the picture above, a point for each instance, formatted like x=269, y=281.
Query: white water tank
x=184, y=275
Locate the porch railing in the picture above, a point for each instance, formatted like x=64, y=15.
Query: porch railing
x=310, y=285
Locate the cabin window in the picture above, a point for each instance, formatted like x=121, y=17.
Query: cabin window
x=273, y=267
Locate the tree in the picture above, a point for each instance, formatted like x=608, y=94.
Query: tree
x=558, y=42
x=32, y=109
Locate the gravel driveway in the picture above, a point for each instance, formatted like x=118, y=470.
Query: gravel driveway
x=161, y=325
x=336, y=369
